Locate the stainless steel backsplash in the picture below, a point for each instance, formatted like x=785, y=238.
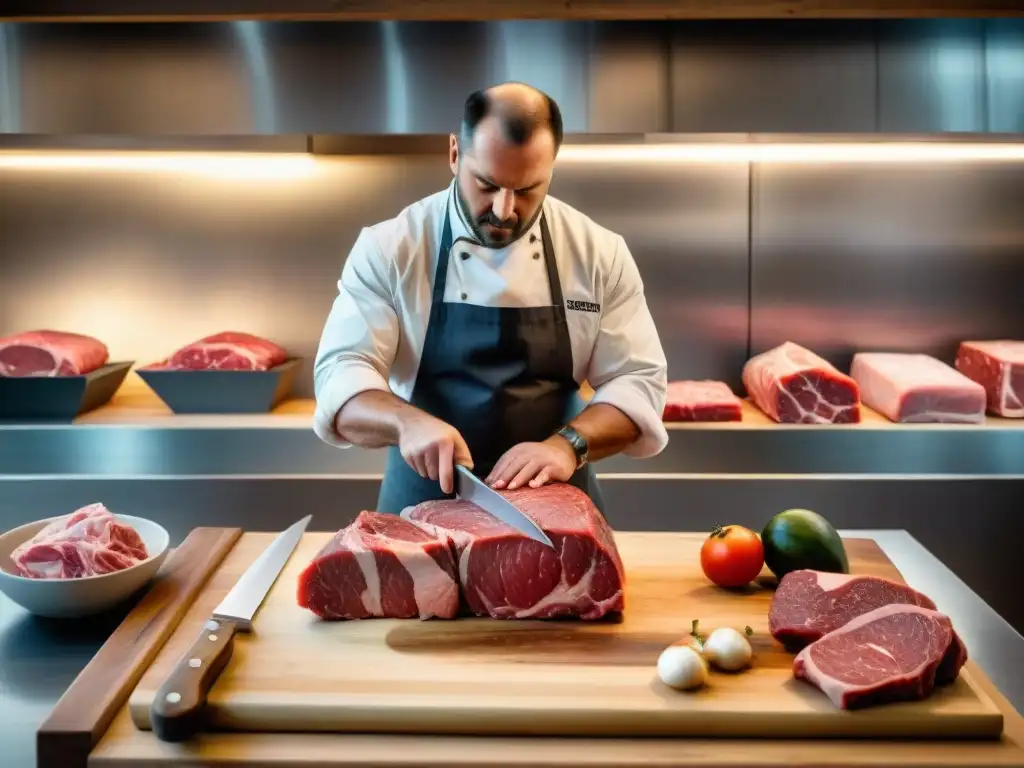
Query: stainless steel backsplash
x=734, y=257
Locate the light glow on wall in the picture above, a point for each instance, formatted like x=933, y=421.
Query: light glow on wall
x=222, y=165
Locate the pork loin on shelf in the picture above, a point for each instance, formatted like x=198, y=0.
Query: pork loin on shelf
x=51, y=353
x=88, y=542
x=507, y=575
x=702, y=400
x=227, y=351
x=897, y=652
x=998, y=366
x=381, y=566
x=809, y=604
x=906, y=387
x=793, y=385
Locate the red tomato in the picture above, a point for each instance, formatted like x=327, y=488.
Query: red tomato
x=732, y=556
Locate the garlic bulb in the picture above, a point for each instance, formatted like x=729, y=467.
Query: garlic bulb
x=680, y=667
x=727, y=649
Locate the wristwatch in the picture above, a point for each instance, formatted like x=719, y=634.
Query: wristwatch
x=578, y=443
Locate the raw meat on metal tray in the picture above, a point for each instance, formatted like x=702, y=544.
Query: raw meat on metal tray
x=381, y=566
x=507, y=575
x=227, y=351
x=998, y=366
x=907, y=387
x=809, y=604
x=702, y=401
x=897, y=652
x=51, y=353
x=88, y=542
x=793, y=385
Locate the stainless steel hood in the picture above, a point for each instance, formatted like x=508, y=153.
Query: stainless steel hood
x=296, y=79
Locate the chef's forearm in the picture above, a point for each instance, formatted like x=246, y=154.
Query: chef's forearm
x=606, y=429
x=372, y=419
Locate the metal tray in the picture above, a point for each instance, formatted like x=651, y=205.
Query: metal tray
x=59, y=398
x=222, y=391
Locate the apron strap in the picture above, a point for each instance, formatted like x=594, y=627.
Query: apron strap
x=441, y=274
x=549, y=260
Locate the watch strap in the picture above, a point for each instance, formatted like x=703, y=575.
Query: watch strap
x=578, y=443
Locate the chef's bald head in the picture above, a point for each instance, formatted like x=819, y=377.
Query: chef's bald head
x=503, y=158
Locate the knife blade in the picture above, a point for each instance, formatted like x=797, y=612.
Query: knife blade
x=471, y=488
x=176, y=711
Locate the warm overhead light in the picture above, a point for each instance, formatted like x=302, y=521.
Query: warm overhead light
x=812, y=152
x=220, y=165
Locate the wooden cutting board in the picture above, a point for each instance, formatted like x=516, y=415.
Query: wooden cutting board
x=490, y=677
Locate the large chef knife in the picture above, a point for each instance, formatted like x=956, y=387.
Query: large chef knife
x=469, y=487
x=176, y=712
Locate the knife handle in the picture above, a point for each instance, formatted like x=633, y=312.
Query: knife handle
x=177, y=711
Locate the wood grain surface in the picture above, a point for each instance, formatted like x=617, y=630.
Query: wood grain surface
x=376, y=10
x=488, y=677
x=87, y=708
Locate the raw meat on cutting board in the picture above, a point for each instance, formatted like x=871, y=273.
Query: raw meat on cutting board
x=88, y=542
x=809, y=604
x=908, y=388
x=507, y=575
x=702, y=401
x=381, y=566
x=998, y=366
x=793, y=385
x=894, y=653
x=227, y=351
x=51, y=353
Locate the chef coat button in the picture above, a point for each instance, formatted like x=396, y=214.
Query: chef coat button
x=533, y=238
x=464, y=296
x=465, y=255
x=536, y=256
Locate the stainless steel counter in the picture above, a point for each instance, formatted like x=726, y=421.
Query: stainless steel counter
x=39, y=659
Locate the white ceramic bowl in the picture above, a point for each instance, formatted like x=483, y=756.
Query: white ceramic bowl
x=73, y=598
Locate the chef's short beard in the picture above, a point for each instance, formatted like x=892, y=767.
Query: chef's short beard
x=475, y=223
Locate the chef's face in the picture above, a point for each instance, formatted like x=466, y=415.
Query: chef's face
x=501, y=184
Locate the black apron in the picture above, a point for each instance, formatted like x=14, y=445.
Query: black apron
x=500, y=375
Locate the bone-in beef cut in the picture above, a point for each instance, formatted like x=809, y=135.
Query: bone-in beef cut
x=894, y=653
x=998, y=366
x=793, y=385
x=809, y=604
x=227, y=351
x=917, y=388
x=507, y=575
x=51, y=353
x=381, y=566
x=701, y=401
x=88, y=542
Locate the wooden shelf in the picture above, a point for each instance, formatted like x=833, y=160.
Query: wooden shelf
x=492, y=10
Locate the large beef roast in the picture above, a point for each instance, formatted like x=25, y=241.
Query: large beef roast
x=507, y=575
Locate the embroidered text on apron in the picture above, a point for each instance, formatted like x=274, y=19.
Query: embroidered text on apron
x=499, y=375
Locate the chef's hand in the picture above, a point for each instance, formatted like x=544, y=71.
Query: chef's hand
x=432, y=447
x=535, y=464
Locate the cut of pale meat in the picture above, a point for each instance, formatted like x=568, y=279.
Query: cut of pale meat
x=88, y=542
x=792, y=385
x=51, y=353
x=894, y=653
x=702, y=401
x=381, y=566
x=227, y=351
x=917, y=388
x=809, y=604
x=505, y=574
x=998, y=366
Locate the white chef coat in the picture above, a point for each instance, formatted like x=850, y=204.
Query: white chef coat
x=375, y=331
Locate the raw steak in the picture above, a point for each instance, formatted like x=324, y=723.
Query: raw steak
x=228, y=351
x=809, y=604
x=506, y=575
x=89, y=542
x=381, y=566
x=917, y=388
x=795, y=386
x=999, y=367
x=51, y=353
x=893, y=653
x=701, y=401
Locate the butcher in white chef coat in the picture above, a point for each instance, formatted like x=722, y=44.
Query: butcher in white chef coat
x=465, y=325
